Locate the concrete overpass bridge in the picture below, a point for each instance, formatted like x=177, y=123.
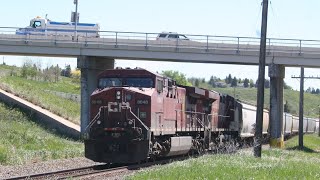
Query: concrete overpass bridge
x=96, y=54
x=144, y=46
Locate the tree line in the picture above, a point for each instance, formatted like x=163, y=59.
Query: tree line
x=214, y=81
x=34, y=71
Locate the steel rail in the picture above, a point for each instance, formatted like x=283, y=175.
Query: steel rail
x=57, y=174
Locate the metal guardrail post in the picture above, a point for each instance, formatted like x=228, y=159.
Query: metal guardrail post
x=207, y=44
x=269, y=49
x=26, y=39
x=238, y=48
x=146, y=41
x=86, y=40
x=116, y=40
x=55, y=38
x=300, y=48
x=177, y=44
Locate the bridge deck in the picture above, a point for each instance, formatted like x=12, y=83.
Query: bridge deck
x=204, y=49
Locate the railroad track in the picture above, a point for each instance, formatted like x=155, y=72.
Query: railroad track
x=101, y=170
x=93, y=171
x=73, y=173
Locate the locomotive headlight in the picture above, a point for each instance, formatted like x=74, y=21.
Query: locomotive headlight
x=118, y=95
x=98, y=122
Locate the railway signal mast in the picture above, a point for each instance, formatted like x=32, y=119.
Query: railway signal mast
x=260, y=94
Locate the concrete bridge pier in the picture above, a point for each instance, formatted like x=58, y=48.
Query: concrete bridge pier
x=276, y=74
x=90, y=67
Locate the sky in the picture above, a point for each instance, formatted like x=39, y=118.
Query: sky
x=294, y=19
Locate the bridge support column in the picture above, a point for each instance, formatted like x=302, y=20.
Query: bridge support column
x=90, y=67
x=276, y=74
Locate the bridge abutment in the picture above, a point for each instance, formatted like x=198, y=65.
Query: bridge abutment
x=90, y=67
x=276, y=74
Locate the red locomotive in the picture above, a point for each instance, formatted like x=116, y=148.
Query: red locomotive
x=137, y=114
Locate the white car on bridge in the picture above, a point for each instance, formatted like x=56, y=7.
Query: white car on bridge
x=171, y=36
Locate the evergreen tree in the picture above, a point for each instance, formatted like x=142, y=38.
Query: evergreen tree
x=234, y=82
x=197, y=82
x=246, y=83
x=229, y=79
x=211, y=81
x=251, y=83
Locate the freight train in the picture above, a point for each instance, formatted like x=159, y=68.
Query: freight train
x=137, y=114
x=44, y=26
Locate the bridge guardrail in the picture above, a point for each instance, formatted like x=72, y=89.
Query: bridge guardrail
x=205, y=42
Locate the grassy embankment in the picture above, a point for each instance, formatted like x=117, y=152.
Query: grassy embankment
x=23, y=141
x=274, y=164
x=38, y=93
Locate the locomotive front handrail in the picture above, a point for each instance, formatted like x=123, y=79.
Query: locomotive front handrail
x=199, y=121
x=146, y=127
x=95, y=118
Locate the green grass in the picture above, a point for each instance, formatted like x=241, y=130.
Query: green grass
x=311, y=143
x=274, y=164
x=23, y=141
x=37, y=93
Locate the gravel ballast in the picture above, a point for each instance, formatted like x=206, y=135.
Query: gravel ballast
x=42, y=167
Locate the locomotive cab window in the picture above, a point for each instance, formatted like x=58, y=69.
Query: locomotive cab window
x=139, y=82
x=109, y=82
x=159, y=85
x=36, y=24
x=131, y=82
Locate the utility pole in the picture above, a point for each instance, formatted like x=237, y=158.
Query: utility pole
x=260, y=93
x=319, y=122
x=302, y=77
x=301, y=108
x=76, y=19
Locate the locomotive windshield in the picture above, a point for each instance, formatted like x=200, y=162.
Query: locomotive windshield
x=35, y=24
x=131, y=82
